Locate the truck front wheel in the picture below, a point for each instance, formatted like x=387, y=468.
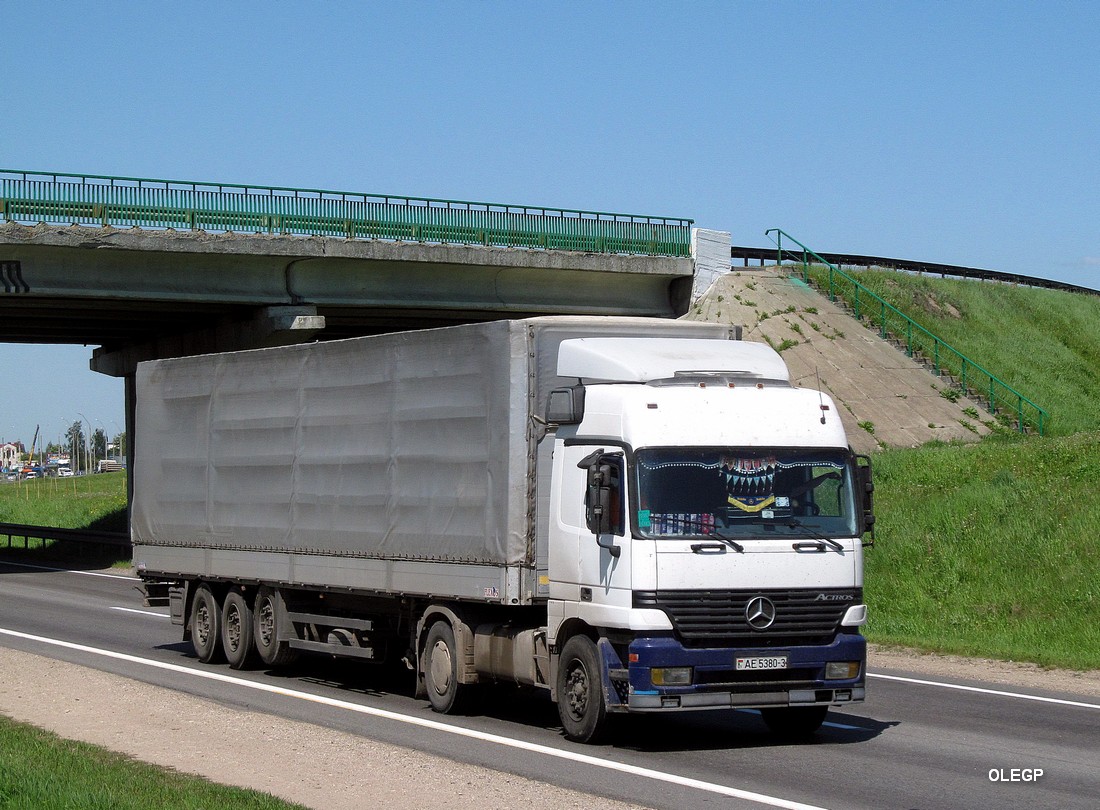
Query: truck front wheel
x=206, y=625
x=581, y=703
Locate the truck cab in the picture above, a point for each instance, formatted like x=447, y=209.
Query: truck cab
x=705, y=536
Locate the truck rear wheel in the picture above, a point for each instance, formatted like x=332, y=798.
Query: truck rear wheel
x=445, y=693
x=237, y=630
x=267, y=618
x=206, y=625
x=580, y=695
x=794, y=721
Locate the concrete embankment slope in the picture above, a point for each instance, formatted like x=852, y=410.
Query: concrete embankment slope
x=885, y=398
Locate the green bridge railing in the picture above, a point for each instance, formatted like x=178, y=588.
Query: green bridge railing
x=78, y=199
x=974, y=381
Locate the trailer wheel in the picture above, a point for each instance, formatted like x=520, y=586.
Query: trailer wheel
x=445, y=693
x=237, y=630
x=794, y=721
x=581, y=704
x=266, y=626
x=206, y=622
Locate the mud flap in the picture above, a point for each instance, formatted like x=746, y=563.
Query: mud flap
x=616, y=683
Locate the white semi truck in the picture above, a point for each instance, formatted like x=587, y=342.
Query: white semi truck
x=635, y=515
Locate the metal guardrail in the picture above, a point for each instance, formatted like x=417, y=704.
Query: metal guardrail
x=973, y=379
x=27, y=532
x=81, y=199
x=859, y=260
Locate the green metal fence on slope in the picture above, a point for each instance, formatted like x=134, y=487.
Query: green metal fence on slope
x=975, y=381
x=33, y=197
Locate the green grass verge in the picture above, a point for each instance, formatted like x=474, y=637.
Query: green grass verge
x=82, y=502
x=43, y=771
x=990, y=549
x=1043, y=343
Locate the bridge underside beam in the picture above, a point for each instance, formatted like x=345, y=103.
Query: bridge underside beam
x=269, y=326
x=127, y=288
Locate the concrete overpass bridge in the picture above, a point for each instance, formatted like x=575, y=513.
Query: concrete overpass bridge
x=149, y=268
x=145, y=269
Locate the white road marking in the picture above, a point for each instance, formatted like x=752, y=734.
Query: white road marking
x=70, y=571
x=843, y=727
x=141, y=612
x=980, y=690
x=434, y=725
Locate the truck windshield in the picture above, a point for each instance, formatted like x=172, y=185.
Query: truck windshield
x=745, y=493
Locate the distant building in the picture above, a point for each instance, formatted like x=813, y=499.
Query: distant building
x=11, y=455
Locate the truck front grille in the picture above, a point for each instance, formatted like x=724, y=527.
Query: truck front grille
x=719, y=618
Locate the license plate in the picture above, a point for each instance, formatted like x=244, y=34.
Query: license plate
x=762, y=662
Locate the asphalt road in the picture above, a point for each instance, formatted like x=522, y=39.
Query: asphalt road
x=916, y=743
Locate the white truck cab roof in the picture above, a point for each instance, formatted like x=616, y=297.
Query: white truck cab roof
x=634, y=359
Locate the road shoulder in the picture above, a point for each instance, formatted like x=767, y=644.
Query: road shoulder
x=990, y=673
x=299, y=762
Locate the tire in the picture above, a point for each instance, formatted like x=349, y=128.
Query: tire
x=237, y=633
x=794, y=722
x=440, y=667
x=580, y=692
x=206, y=625
x=267, y=625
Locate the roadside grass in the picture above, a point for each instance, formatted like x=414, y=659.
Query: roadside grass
x=81, y=502
x=41, y=770
x=989, y=549
x=1043, y=343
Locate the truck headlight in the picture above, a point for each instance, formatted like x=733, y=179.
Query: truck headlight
x=670, y=676
x=841, y=670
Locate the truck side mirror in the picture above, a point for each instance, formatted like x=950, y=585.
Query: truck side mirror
x=867, y=492
x=603, y=498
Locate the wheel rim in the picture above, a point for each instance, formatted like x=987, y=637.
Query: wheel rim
x=576, y=694
x=440, y=667
x=266, y=623
x=233, y=628
x=202, y=624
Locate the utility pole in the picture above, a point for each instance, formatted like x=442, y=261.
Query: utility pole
x=87, y=440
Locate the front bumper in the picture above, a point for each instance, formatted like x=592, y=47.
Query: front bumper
x=716, y=682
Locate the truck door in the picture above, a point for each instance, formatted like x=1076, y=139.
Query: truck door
x=591, y=557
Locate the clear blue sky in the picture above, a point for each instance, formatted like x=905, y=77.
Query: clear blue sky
x=964, y=133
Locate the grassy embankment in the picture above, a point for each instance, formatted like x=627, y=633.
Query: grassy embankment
x=992, y=549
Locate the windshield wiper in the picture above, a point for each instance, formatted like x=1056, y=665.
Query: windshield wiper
x=713, y=532
x=820, y=540
x=728, y=541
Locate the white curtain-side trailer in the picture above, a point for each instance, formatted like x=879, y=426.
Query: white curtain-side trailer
x=637, y=515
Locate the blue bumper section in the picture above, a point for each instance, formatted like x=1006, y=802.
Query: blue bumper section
x=716, y=682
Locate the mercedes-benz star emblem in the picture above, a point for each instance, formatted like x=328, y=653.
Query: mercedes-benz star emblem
x=760, y=613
